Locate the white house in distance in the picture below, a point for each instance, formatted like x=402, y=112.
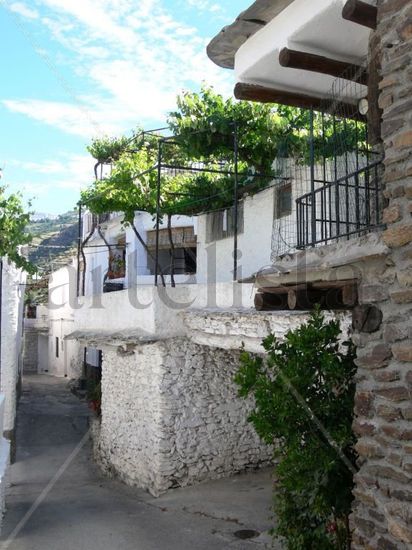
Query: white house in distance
x=36, y=339
x=64, y=358
x=45, y=327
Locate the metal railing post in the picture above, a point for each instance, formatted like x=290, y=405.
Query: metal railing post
x=159, y=181
x=235, y=198
x=79, y=247
x=312, y=178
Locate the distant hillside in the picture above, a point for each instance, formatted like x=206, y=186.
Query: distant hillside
x=40, y=216
x=54, y=241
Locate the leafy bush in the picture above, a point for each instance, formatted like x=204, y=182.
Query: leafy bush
x=14, y=220
x=304, y=398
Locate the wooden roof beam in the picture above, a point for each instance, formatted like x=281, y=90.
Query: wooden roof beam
x=296, y=59
x=262, y=94
x=361, y=13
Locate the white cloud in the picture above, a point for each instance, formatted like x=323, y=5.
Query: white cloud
x=45, y=167
x=128, y=60
x=205, y=5
x=75, y=167
x=136, y=57
x=72, y=119
x=73, y=172
x=23, y=10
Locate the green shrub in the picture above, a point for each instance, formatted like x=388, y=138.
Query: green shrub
x=304, y=398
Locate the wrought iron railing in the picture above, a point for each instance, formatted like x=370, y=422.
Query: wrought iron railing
x=349, y=206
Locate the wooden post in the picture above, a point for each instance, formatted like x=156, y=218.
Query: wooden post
x=304, y=299
x=361, y=13
x=270, y=302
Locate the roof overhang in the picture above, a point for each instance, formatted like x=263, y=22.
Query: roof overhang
x=222, y=49
x=102, y=339
x=317, y=28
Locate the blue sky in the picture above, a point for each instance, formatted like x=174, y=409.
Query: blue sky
x=73, y=69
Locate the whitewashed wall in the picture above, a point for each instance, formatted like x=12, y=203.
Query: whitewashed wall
x=137, y=273
x=11, y=338
x=43, y=353
x=156, y=310
x=171, y=417
x=35, y=355
x=215, y=259
x=11, y=351
x=171, y=414
x=62, y=307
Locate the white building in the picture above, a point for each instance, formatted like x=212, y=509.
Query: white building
x=171, y=415
x=204, y=245
x=36, y=339
x=127, y=263
x=64, y=358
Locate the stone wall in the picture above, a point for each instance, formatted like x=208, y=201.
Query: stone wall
x=171, y=416
x=382, y=516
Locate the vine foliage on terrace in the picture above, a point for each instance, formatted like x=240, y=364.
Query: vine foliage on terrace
x=204, y=126
x=304, y=399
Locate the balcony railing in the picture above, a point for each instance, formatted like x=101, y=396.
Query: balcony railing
x=349, y=206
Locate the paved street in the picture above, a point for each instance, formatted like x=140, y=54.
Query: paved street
x=84, y=511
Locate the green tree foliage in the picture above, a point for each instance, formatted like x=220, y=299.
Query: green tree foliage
x=108, y=149
x=13, y=222
x=304, y=399
x=205, y=122
x=204, y=127
x=130, y=187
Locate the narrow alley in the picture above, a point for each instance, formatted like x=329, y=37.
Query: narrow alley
x=59, y=500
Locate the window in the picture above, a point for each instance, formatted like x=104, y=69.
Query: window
x=184, y=261
x=283, y=201
x=31, y=312
x=117, y=259
x=57, y=346
x=221, y=224
x=185, y=250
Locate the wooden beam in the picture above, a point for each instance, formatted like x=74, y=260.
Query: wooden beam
x=361, y=13
x=295, y=59
x=281, y=289
x=262, y=94
x=334, y=284
x=270, y=302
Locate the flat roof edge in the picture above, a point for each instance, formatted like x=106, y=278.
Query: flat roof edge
x=223, y=47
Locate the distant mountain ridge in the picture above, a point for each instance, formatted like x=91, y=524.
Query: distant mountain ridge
x=54, y=240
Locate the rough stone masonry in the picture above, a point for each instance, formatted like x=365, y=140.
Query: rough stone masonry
x=382, y=517
x=171, y=416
